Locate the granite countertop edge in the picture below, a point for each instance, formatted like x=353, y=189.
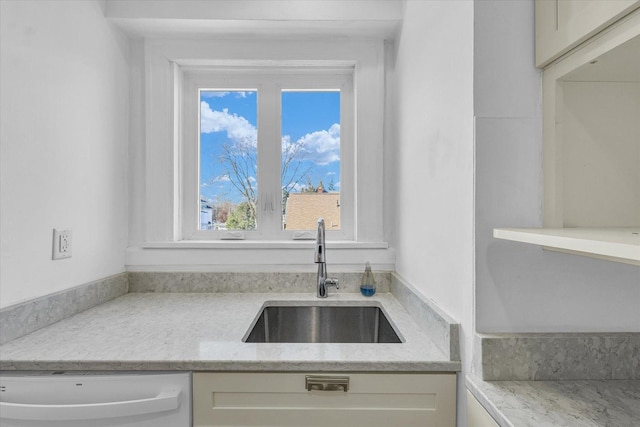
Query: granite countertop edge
x=231, y=366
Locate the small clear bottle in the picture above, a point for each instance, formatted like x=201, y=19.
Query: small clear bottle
x=368, y=283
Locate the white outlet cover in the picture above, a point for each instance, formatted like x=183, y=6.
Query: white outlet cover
x=61, y=243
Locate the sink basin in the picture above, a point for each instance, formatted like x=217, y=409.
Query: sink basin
x=322, y=324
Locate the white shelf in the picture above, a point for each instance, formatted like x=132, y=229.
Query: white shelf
x=615, y=244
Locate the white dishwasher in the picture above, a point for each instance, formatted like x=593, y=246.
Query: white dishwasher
x=71, y=399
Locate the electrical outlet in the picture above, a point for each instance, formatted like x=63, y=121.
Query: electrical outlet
x=61, y=244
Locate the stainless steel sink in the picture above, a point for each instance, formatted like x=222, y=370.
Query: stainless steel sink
x=322, y=324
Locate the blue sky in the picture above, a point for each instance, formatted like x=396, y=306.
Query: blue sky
x=310, y=128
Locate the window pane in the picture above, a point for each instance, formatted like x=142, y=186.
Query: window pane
x=228, y=160
x=310, y=159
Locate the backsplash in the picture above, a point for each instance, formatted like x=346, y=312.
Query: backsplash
x=443, y=330
x=245, y=282
x=21, y=319
x=570, y=356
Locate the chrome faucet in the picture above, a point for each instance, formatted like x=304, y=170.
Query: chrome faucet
x=322, y=281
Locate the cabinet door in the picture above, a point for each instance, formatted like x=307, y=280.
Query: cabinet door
x=282, y=399
x=563, y=24
x=477, y=416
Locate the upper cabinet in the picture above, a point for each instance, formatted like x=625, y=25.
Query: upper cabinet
x=591, y=137
x=563, y=24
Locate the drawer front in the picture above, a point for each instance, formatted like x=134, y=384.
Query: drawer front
x=282, y=399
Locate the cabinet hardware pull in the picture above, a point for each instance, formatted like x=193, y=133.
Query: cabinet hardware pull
x=327, y=383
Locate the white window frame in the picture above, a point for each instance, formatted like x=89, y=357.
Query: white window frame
x=156, y=237
x=270, y=81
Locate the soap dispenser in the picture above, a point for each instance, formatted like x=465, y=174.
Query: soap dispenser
x=368, y=284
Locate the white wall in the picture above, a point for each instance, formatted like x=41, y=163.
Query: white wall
x=431, y=144
x=601, y=140
x=434, y=150
x=520, y=287
x=64, y=131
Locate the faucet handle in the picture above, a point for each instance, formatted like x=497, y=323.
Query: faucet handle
x=332, y=282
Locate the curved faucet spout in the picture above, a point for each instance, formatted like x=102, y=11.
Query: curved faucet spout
x=320, y=242
x=322, y=281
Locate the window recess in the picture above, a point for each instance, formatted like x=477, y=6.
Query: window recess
x=591, y=149
x=266, y=151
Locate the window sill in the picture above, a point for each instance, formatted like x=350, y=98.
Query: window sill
x=256, y=256
x=260, y=244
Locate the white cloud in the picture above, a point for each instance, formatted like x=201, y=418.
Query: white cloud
x=213, y=94
x=221, y=178
x=321, y=147
x=296, y=188
x=222, y=94
x=238, y=129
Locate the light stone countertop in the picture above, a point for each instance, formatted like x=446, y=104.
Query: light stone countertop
x=570, y=403
x=204, y=331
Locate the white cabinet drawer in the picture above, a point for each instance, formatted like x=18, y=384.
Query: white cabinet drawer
x=282, y=399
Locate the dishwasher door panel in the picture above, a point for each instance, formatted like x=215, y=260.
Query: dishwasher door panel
x=132, y=400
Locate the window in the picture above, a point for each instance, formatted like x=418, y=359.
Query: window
x=310, y=159
x=166, y=210
x=228, y=159
x=273, y=149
